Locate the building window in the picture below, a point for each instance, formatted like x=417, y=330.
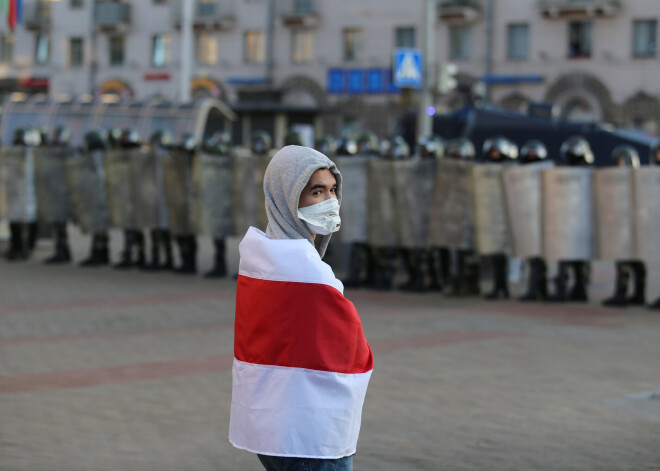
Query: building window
x=459, y=42
x=353, y=43
x=76, y=3
x=255, y=47
x=644, y=37
x=42, y=50
x=405, y=37
x=76, y=52
x=117, y=48
x=518, y=41
x=579, y=39
x=207, y=48
x=161, y=50
x=6, y=48
x=304, y=7
x=302, y=45
x=161, y=2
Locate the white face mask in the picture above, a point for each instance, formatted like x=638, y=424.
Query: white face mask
x=321, y=218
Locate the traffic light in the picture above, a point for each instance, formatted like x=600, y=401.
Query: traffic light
x=447, y=77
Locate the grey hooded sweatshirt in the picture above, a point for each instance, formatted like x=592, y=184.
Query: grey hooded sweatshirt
x=286, y=176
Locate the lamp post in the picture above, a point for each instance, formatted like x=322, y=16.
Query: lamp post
x=425, y=118
x=187, y=12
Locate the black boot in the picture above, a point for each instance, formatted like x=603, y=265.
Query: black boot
x=126, y=261
x=537, y=284
x=16, y=249
x=166, y=242
x=62, y=252
x=655, y=305
x=188, y=252
x=139, y=258
x=154, y=262
x=220, y=266
x=99, y=253
x=385, y=263
x=500, y=275
x=578, y=292
x=561, y=282
x=355, y=264
x=620, y=296
x=434, y=269
x=638, y=269
x=368, y=255
x=414, y=261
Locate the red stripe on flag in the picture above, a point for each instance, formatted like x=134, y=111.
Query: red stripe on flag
x=11, y=17
x=301, y=325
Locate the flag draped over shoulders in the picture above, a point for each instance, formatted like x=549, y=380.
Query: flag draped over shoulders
x=301, y=361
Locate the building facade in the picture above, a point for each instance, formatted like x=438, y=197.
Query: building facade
x=327, y=64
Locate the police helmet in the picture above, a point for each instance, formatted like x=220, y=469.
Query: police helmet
x=27, y=137
x=533, y=151
x=325, y=145
x=575, y=151
x=162, y=138
x=217, y=143
x=398, y=149
x=188, y=142
x=368, y=144
x=130, y=138
x=260, y=142
x=625, y=156
x=461, y=148
x=346, y=146
x=94, y=140
x=43, y=136
x=114, y=138
x=19, y=137
x=293, y=138
x=431, y=147
x=62, y=136
x=499, y=149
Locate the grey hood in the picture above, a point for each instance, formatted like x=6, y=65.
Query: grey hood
x=286, y=175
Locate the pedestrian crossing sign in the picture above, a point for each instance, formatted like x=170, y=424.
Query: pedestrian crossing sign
x=408, y=69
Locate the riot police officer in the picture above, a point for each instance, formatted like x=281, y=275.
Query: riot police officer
x=61, y=139
x=133, y=254
x=368, y=144
x=161, y=239
x=23, y=228
x=574, y=152
x=293, y=138
x=465, y=281
x=626, y=156
x=438, y=259
x=499, y=150
x=655, y=160
x=95, y=143
x=260, y=142
x=326, y=145
x=187, y=242
x=534, y=151
x=218, y=144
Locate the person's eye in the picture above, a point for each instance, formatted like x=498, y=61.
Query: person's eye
x=316, y=193
x=333, y=190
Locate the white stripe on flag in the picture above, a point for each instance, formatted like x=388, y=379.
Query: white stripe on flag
x=283, y=411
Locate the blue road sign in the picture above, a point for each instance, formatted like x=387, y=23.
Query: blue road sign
x=408, y=68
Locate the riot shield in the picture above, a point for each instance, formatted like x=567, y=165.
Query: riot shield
x=53, y=202
x=120, y=189
x=353, y=211
x=262, y=217
x=381, y=222
x=413, y=186
x=488, y=203
x=18, y=169
x=522, y=188
x=177, y=178
x=212, y=177
x=3, y=193
x=245, y=190
x=450, y=223
x=646, y=197
x=567, y=214
x=86, y=180
x=148, y=192
x=614, y=213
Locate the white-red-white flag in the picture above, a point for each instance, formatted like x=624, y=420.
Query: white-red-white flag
x=301, y=361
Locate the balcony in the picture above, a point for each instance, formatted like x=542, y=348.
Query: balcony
x=208, y=15
x=459, y=10
x=297, y=13
x=112, y=16
x=579, y=9
x=37, y=15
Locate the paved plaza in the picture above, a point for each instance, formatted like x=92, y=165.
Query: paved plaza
x=103, y=369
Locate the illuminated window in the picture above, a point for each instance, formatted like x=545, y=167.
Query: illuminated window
x=207, y=48
x=302, y=45
x=255, y=47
